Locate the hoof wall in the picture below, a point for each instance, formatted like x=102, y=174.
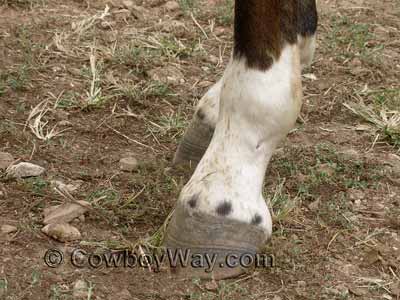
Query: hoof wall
x=212, y=247
x=194, y=143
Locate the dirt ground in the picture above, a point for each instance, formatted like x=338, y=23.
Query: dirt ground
x=124, y=81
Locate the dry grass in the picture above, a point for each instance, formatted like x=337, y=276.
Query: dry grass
x=387, y=122
x=39, y=125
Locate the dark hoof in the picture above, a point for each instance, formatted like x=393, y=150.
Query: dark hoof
x=212, y=247
x=194, y=143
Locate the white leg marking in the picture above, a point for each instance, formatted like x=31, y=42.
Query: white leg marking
x=257, y=110
x=209, y=103
x=208, y=106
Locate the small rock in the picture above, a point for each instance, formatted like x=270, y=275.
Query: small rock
x=394, y=161
x=128, y=154
x=363, y=127
x=171, y=5
x=113, y=3
x=6, y=159
x=351, y=154
x=218, y=31
x=8, y=229
x=107, y=25
x=70, y=188
x=310, y=76
x=323, y=84
x=276, y=297
x=65, y=123
x=333, y=291
x=327, y=169
x=62, y=232
x=314, y=205
x=78, y=220
x=129, y=4
x=176, y=27
x=128, y=164
x=211, y=285
x=343, y=289
x=355, y=195
x=24, y=169
x=381, y=33
x=205, y=84
x=168, y=74
x=48, y=210
x=371, y=257
x=348, y=269
x=358, y=71
x=80, y=290
x=356, y=62
x=61, y=115
x=139, y=12
x=122, y=14
x=395, y=289
x=358, y=291
x=213, y=59
x=123, y=295
x=301, y=284
x=66, y=212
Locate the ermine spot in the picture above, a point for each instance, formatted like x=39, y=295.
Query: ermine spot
x=200, y=114
x=225, y=208
x=256, y=220
x=193, y=201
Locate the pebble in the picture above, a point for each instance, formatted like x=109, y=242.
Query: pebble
x=350, y=154
x=123, y=295
x=62, y=232
x=176, y=27
x=313, y=206
x=128, y=164
x=139, y=12
x=218, y=31
x=169, y=74
x=70, y=188
x=171, y=5
x=356, y=195
x=129, y=4
x=80, y=290
x=6, y=159
x=358, y=291
x=211, y=285
x=8, y=229
x=65, y=213
x=395, y=289
x=394, y=160
x=301, y=284
x=327, y=169
x=122, y=14
x=25, y=169
x=65, y=123
x=105, y=25
x=205, y=84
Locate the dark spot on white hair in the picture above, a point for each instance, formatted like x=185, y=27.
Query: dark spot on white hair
x=256, y=220
x=193, y=201
x=224, y=208
x=200, y=114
